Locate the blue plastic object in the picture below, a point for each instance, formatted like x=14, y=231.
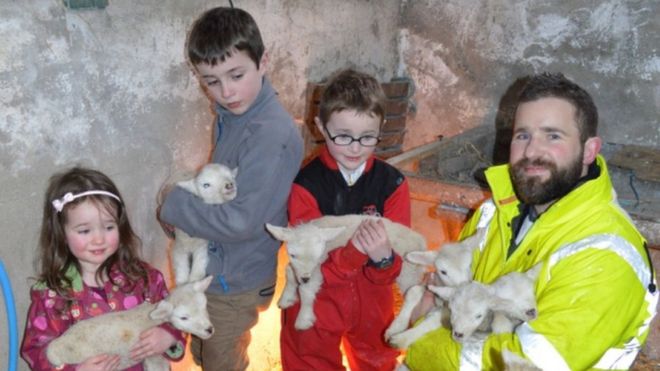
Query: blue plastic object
x=12, y=324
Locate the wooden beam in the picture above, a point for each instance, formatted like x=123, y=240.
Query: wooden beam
x=416, y=153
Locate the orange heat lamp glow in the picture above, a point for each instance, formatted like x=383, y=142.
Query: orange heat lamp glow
x=264, y=350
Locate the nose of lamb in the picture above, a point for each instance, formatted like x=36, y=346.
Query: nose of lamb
x=531, y=313
x=210, y=330
x=229, y=186
x=305, y=279
x=458, y=335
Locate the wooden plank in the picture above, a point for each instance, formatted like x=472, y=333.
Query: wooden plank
x=644, y=161
x=416, y=153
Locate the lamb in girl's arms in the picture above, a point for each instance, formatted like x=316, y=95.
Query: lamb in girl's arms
x=308, y=246
x=215, y=184
x=116, y=332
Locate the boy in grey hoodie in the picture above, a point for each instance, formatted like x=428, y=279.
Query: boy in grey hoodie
x=254, y=133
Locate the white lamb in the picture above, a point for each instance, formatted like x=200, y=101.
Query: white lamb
x=116, y=332
x=308, y=246
x=498, y=307
x=452, y=263
x=215, y=184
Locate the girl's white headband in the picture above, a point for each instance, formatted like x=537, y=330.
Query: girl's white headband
x=58, y=204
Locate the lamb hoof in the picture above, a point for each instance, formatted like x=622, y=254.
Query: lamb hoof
x=394, y=329
x=283, y=304
x=303, y=323
x=398, y=341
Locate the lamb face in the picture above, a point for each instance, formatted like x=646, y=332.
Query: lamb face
x=306, y=247
x=469, y=305
x=215, y=184
x=454, y=260
x=185, y=309
x=517, y=292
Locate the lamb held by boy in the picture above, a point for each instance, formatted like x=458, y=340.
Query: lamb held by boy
x=308, y=246
x=215, y=184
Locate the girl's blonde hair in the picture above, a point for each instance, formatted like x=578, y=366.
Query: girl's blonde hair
x=56, y=257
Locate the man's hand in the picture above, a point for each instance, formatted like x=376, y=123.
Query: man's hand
x=371, y=238
x=152, y=342
x=428, y=300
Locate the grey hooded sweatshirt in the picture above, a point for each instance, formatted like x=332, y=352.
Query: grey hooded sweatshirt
x=265, y=145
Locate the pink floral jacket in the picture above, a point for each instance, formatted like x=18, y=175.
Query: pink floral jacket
x=49, y=316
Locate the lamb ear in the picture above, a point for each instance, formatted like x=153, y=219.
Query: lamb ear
x=280, y=233
x=234, y=171
x=188, y=185
x=422, y=257
x=533, y=272
x=444, y=292
x=202, y=284
x=473, y=241
x=162, y=311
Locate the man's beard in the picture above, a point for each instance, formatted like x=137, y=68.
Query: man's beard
x=532, y=191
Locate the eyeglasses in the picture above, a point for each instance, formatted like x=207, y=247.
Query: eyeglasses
x=346, y=140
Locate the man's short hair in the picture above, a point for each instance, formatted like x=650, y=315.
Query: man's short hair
x=352, y=90
x=219, y=32
x=556, y=85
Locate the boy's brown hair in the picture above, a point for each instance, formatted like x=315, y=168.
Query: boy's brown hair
x=219, y=32
x=350, y=89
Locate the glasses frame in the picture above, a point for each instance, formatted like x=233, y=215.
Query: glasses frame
x=359, y=140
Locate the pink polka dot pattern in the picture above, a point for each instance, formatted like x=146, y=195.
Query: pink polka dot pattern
x=40, y=323
x=130, y=302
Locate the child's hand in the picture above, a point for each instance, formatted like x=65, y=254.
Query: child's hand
x=371, y=238
x=152, y=342
x=102, y=362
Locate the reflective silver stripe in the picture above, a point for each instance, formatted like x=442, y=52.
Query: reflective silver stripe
x=539, y=350
x=622, y=358
x=471, y=353
x=487, y=213
x=610, y=242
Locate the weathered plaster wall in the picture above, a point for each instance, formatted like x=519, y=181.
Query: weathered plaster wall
x=111, y=89
x=463, y=55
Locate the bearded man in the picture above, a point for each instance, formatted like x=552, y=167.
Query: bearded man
x=554, y=204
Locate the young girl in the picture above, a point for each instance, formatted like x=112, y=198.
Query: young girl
x=90, y=266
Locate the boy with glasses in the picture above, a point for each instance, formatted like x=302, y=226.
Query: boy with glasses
x=355, y=302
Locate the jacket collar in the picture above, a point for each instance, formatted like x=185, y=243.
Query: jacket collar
x=78, y=286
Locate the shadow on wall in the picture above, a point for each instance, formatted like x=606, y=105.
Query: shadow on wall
x=506, y=111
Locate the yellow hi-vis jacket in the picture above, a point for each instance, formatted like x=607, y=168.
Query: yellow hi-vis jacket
x=595, y=292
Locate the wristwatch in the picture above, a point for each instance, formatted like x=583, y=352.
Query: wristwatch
x=383, y=263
